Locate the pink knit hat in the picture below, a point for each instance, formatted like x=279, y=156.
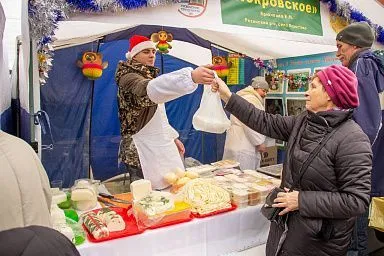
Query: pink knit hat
x=341, y=85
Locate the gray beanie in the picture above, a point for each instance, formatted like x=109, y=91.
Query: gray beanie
x=259, y=82
x=359, y=34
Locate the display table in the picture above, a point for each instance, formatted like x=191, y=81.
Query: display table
x=221, y=234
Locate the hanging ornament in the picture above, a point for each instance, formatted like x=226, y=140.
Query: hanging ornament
x=162, y=39
x=259, y=63
x=92, y=65
x=338, y=22
x=221, y=66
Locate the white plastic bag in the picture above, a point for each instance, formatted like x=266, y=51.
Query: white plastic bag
x=210, y=117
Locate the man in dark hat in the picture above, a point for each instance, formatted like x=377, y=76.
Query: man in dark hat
x=354, y=51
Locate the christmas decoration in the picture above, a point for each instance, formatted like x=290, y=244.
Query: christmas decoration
x=162, y=38
x=92, y=65
x=221, y=66
x=347, y=12
x=43, y=17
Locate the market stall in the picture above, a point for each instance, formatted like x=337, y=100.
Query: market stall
x=211, y=210
x=200, y=29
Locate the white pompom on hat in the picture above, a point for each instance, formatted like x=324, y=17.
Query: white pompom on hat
x=138, y=43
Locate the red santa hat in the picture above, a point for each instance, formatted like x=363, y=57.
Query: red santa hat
x=138, y=43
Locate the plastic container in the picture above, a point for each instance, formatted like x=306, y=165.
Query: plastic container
x=180, y=213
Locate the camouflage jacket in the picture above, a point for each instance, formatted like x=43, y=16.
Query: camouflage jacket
x=135, y=107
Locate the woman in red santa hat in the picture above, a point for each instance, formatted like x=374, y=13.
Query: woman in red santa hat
x=148, y=142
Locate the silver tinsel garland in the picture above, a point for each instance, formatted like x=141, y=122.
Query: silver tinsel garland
x=43, y=17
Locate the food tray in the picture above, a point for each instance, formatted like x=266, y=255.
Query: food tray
x=181, y=213
x=198, y=215
x=131, y=227
x=170, y=220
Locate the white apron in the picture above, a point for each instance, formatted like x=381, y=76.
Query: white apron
x=157, y=149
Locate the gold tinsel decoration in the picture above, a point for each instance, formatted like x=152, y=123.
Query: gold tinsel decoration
x=338, y=22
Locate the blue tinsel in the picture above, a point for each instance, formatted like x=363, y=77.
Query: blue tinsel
x=46, y=40
x=84, y=5
x=132, y=4
x=332, y=5
x=358, y=16
x=380, y=34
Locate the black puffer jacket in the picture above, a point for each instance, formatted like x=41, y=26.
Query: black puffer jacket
x=334, y=189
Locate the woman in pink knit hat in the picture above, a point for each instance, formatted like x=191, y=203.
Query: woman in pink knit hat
x=326, y=175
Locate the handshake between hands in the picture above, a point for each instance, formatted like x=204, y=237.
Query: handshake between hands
x=205, y=75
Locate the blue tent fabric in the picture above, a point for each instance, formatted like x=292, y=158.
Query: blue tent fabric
x=7, y=124
x=66, y=98
x=84, y=122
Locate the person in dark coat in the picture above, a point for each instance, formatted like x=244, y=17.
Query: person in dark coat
x=318, y=216
x=354, y=51
x=35, y=241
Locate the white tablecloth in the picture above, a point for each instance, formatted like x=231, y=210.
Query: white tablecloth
x=216, y=235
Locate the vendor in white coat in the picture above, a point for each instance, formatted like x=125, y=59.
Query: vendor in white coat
x=242, y=143
x=147, y=140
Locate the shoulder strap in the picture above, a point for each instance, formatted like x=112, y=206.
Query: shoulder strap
x=312, y=155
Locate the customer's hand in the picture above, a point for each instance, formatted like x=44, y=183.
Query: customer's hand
x=218, y=85
x=180, y=147
x=287, y=200
x=203, y=75
x=261, y=148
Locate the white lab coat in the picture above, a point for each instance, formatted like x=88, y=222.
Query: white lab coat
x=241, y=141
x=155, y=141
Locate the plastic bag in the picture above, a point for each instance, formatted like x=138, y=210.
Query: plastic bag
x=210, y=117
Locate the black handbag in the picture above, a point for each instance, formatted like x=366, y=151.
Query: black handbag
x=272, y=213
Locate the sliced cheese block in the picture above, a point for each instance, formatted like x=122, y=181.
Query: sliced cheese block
x=82, y=194
x=140, y=189
x=114, y=223
x=95, y=226
x=84, y=205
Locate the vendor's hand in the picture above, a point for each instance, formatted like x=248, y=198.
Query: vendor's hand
x=203, y=75
x=219, y=86
x=261, y=148
x=287, y=200
x=180, y=146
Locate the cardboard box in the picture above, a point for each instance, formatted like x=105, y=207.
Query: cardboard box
x=269, y=157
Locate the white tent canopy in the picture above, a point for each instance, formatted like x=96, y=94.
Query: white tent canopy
x=254, y=42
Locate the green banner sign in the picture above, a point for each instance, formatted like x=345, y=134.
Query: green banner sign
x=301, y=16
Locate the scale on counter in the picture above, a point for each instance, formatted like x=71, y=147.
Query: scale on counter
x=272, y=170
